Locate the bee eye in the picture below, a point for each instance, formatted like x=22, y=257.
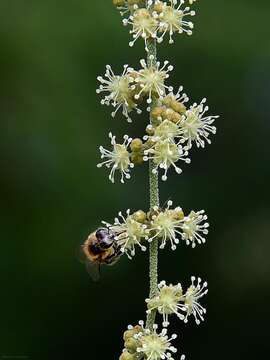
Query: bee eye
x=104, y=238
x=101, y=234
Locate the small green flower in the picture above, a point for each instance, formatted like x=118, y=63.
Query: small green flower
x=118, y=159
x=192, y=296
x=154, y=345
x=151, y=79
x=144, y=25
x=168, y=301
x=119, y=91
x=131, y=233
x=166, y=154
x=193, y=228
x=196, y=127
x=166, y=226
x=171, y=20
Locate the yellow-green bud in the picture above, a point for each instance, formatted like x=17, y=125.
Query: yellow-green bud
x=157, y=112
x=131, y=345
x=175, y=105
x=137, y=158
x=172, y=116
x=136, y=145
x=139, y=216
x=127, y=356
x=177, y=214
x=128, y=334
x=148, y=144
x=118, y=2
x=178, y=107
x=167, y=100
x=131, y=332
x=133, y=2
x=158, y=7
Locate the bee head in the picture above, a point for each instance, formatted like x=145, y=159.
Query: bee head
x=104, y=237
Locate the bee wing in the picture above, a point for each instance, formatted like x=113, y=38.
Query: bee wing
x=80, y=254
x=93, y=269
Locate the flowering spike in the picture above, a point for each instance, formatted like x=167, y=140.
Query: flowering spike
x=173, y=128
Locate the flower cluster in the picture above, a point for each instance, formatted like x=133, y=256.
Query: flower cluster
x=130, y=231
x=156, y=19
x=172, y=300
x=142, y=343
x=149, y=344
x=175, y=127
x=126, y=91
x=168, y=225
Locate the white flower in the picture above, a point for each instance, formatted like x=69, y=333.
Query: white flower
x=178, y=97
x=167, y=302
x=166, y=226
x=144, y=25
x=118, y=158
x=193, y=228
x=155, y=346
x=164, y=155
x=129, y=233
x=151, y=79
x=196, y=127
x=120, y=92
x=171, y=19
x=192, y=296
x=124, y=7
x=167, y=130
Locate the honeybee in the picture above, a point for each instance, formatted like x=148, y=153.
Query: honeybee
x=101, y=247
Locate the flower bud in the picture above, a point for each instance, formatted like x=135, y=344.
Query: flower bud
x=157, y=112
x=177, y=214
x=136, y=145
x=137, y=158
x=175, y=105
x=131, y=345
x=158, y=7
x=133, y=2
x=131, y=332
x=127, y=356
x=178, y=107
x=172, y=115
x=118, y=2
x=139, y=216
x=128, y=334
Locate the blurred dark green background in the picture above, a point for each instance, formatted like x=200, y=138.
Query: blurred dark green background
x=52, y=194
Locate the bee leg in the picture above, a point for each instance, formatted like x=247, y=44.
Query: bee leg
x=111, y=260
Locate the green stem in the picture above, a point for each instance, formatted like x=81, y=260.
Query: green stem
x=154, y=201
